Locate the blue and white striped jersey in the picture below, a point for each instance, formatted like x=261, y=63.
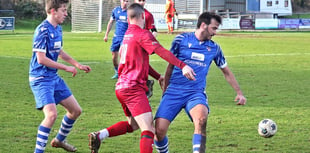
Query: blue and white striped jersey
x=47, y=39
x=198, y=55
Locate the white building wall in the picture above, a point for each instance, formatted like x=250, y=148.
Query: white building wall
x=280, y=7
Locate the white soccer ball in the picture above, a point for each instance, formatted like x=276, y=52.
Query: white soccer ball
x=267, y=128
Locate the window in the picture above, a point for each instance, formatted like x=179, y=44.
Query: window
x=269, y=3
x=286, y=3
x=277, y=2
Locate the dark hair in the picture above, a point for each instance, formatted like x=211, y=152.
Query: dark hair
x=206, y=18
x=54, y=4
x=135, y=10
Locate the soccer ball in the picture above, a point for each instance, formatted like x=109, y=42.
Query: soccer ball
x=267, y=128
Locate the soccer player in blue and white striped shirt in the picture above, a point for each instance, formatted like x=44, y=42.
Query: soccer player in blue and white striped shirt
x=48, y=87
x=197, y=50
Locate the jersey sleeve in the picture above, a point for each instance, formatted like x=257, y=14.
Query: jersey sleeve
x=153, y=73
x=176, y=44
x=149, y=23
x=113, y=17
x=148, y=42
x=40, y=40
x=219, y=58
x=167, y=8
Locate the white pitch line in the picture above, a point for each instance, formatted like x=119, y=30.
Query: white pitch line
x=157, y=60
x=255, y=55
x=17, y=57
x=280, y=54
x=25, y=58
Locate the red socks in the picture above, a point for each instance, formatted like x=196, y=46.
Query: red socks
x=146, y=142
x=122, y=127
x=119, y=128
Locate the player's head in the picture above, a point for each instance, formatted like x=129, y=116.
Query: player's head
x=136, y=15
x=141, y=2
x=57, y=8
x=207, y=24
x=124, y=3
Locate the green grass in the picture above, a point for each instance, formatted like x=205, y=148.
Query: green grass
x=272, y=68
x=301, y=15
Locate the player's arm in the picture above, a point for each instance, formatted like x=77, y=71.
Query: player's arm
x=157, y=76
x=154, y=31
x=152, y=25
x=109, y=27
x=151, y=45
x=153, y=73
x=188, y=72
x=230, y=78
x=167, y=76
x=67, y=58
x=43, y=60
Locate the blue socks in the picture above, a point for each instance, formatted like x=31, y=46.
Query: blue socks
x=116, y=70
x=162, y=146
x=42, y=138
x=199, y=143
x=65, y=128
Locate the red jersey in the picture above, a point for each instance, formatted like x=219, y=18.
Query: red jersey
x=170, y=9
x=133, y=68
x=149, y=20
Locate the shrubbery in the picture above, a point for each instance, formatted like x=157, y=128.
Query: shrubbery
x=29, y=10
x=33, y=10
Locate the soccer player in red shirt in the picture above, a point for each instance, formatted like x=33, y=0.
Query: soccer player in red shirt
x=149, y=25
x=134, y=69
x=149, y=19
x=169, y=13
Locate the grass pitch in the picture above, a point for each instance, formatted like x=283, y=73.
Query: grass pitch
x=273, y=69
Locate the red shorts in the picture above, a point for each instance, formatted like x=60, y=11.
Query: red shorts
x=168, y=20
x=133, y=100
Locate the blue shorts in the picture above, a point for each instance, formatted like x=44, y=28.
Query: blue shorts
x=116, y=43
x=47, y=90
x=174, y=100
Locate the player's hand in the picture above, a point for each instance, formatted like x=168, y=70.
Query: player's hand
x=85, y=68
x=154, y=34
x=189, y=73
x=105, y=38
x=71, y=69
x=161, y=82
x=240, y=99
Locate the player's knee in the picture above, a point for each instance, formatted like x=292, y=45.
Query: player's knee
x=160, y=133
x=51, y=117
x=133, y=128
x=201, y=121
x=77, y=112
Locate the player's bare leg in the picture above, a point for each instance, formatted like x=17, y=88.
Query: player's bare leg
x=73, y=112
x=199, y=115
x=115, y=55
x=145, y=122
x=161, y=139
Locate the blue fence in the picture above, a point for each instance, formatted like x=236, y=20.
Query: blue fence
x=7, y=20
x=268, y=23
